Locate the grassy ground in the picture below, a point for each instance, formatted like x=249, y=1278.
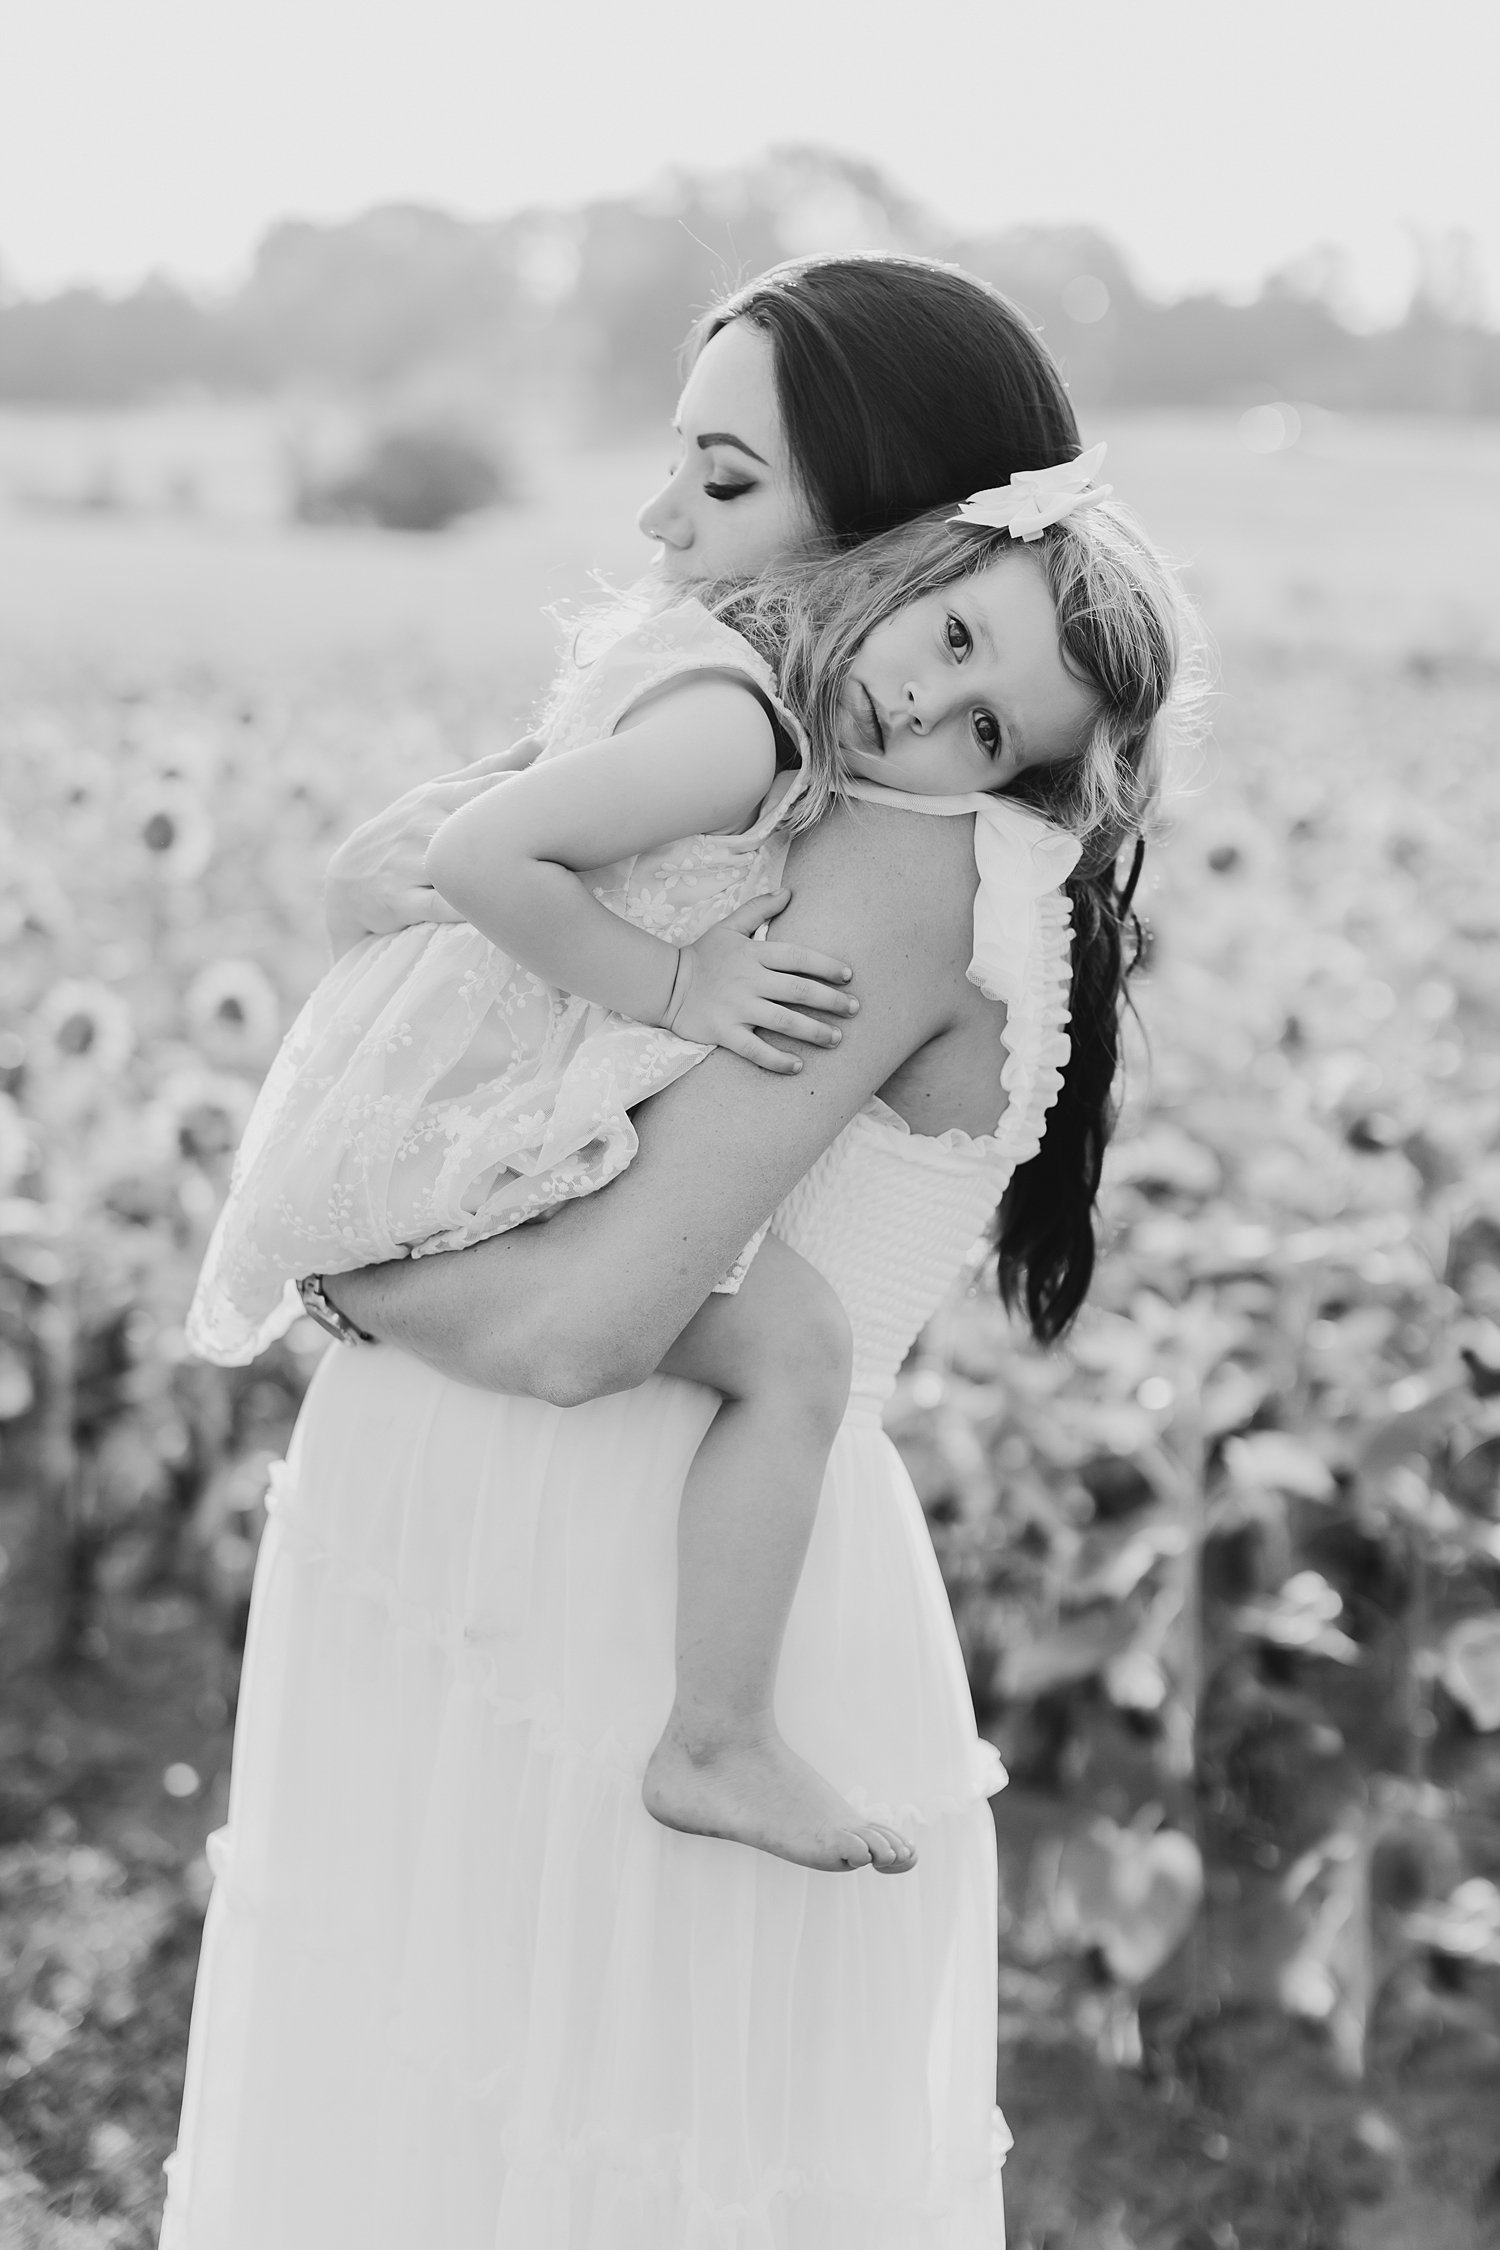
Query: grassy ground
x=1342, y=580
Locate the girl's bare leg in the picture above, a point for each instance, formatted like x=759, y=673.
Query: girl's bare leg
x=778, y=1352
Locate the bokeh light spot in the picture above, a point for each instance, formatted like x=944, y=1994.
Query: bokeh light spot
x=1085, y=299
x=1270, y=429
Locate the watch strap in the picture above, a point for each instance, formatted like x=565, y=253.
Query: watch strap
x=317, y=1307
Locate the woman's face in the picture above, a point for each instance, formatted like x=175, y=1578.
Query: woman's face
x=732, y=503
x=965, y=689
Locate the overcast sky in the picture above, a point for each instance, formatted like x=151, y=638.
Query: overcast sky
x=1214, y=139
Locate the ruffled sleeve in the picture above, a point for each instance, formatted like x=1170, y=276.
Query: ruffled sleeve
x=1023, y=956
x=1022, y=948
x=1022, y=859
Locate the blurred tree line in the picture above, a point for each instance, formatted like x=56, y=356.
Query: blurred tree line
x=581, y=311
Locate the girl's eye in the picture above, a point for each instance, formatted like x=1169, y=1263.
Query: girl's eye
x=987, y=732
x=727, y=491
x=956, y=633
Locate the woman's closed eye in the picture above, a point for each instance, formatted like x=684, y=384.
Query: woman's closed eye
x=713, y=491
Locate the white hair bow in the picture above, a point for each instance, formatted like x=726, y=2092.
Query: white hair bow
x=1035, y=498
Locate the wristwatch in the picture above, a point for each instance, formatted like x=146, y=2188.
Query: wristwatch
x=316, y=1306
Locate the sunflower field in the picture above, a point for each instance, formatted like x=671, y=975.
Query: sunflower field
x=1226, y=1568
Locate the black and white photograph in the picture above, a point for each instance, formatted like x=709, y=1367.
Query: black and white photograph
x=749, y=1126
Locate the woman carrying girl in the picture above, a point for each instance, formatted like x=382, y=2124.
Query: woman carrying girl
x=448, y=1082
x=456, y=1987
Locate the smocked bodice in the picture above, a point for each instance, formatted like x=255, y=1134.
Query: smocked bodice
x=889, y=1216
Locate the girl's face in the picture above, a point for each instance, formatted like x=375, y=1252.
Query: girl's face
x=965, y=689
x=732, y=503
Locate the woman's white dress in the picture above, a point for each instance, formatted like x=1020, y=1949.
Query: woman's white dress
x=458, y=1990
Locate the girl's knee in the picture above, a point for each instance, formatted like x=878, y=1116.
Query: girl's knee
x=803, y=1348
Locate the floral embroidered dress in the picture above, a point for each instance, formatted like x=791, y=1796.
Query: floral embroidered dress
x=458, y=1988
x=433, y=1091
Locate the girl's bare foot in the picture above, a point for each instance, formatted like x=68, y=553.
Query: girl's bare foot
x=751, y=1789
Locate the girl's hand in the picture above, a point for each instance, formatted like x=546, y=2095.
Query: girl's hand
x=374, y=881
x=736, y=988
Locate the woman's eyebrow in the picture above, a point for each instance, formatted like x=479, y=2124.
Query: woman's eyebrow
x=727, y=437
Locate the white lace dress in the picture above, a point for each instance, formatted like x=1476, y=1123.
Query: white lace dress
x=433, y=1091
x=458, y=1989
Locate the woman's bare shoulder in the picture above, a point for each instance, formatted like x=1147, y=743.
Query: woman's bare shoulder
x=862, y=829
x=897, y=890
x=886, y=889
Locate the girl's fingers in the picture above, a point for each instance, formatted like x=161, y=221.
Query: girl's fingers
x=811, y=994
x=798, y=961
x=765, y=1058
x=792, y=1026
x=755, y=912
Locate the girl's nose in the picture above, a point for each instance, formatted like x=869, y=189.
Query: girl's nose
x=916, y=704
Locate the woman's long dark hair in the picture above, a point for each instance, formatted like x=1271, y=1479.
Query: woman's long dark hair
x=901, y=384
x=905, y=386
x=1044, y=1233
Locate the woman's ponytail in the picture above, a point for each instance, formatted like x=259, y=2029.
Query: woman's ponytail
x=1045, y=1230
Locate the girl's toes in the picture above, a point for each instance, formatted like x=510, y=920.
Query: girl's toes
x=854, y=1851
x=897, y=1853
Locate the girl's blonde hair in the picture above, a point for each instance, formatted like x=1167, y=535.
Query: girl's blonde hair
x=1124, y=629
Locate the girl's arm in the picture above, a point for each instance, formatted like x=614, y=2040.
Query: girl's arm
x=697, y=759
x=591, y=1301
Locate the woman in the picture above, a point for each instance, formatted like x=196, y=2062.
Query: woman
x=458, y=1989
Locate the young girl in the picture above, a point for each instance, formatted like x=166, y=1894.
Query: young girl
x=448, y=1082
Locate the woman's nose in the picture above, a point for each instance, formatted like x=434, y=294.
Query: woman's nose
x=659, y=520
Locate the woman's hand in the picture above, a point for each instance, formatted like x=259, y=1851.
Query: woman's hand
x=736, y=988
x=375, y=881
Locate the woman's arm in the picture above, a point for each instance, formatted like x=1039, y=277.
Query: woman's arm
x=511, y=861
x=591, y=1301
